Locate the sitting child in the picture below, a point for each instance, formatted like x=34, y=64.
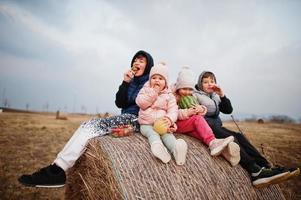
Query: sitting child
x=209, y=94
x=191, y=120
x=157, y=102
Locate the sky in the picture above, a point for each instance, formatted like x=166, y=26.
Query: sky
x=71, y=55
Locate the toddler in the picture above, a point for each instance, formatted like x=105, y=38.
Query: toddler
x=157, y=102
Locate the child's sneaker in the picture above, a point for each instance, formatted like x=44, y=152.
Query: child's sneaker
x=266, y=177
x=180, y=152
x=160, y=151
x=51, y=176
x=232, y=153
x=216, y=146
x=293, y=172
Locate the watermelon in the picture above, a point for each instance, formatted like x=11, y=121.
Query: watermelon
x=187, y=102
x=160, y=127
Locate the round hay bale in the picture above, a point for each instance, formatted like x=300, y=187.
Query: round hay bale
x=260, y=121
x=124, y=168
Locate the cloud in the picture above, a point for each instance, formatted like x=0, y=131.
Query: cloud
x=87, y=46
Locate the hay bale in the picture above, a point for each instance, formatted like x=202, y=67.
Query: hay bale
x=123, y=168
x=260, y=121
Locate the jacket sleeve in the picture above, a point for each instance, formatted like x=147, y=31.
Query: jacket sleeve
x=146, y=97
x=121, y=95
x=225, y=105
x=183, y=114
x=172, y=108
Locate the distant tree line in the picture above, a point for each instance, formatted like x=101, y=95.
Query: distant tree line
x=274, y=118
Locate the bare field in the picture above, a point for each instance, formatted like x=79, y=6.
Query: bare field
x=31, y=141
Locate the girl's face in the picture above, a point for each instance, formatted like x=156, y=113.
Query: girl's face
x=158, y=81
x=185, y=91
x=207, y=84
x=139, y=65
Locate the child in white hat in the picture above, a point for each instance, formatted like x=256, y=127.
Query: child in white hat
x=190, y=120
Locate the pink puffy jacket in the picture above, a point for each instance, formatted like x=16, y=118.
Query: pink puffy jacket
x=154, y=106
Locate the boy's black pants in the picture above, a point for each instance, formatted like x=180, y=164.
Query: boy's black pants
x=249, y=155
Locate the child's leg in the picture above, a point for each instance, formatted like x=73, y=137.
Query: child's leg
x=196, y=126
x=157, y=147
x=245, y=159
x=88, y=130
x=73, y=148
x=248, y=152
x=178, y=147
x=250, y=149
x=148, y=132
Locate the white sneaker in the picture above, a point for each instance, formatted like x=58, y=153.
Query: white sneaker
x=216, y=146
x=160, y=151
x=180, y=151
x=232, y=153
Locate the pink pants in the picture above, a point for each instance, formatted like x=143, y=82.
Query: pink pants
x=196, y=126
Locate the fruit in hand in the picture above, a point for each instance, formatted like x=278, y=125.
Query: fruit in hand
x=188, y=102
x=134, y=70
x=160, y=126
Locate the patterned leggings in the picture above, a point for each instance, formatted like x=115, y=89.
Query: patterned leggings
x=102, y=126
x=77, y=144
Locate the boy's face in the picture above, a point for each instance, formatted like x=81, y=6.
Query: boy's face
x=158, y=81
x=207, y=84
x=139, y=65
x=185, y=91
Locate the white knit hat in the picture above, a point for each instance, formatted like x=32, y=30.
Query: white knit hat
x=185, y=78
x=160, y=69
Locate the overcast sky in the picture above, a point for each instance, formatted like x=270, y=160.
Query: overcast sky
x=70, y=54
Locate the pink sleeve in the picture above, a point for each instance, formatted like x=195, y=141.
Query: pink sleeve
x=183, y=114
x=146, y=97
x=172, y=109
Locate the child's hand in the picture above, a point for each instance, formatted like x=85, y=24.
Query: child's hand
x=191, y=111
x=218, y=90
x=128, y=76
x=157, y=88
x=172, y=128
x=167, y=121
x=201, y=110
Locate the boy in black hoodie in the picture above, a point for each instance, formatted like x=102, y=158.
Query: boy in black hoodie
x=133, y=80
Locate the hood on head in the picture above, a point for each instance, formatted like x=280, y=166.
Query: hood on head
x=199, y=86
x=149, y=59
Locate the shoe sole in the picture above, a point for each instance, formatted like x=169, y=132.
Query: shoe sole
x=219, y=149
x=180, y=152
x=264, y=182
x=161, y=152
x=50, y=186
x=293, y=174
x=43, y=186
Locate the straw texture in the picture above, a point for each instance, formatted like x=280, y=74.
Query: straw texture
x=124, y=168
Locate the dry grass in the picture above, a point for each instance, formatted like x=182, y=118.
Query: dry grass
x=31, y=141
x=27, y=143
x=281, y=144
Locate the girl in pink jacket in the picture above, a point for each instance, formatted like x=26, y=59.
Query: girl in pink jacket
x=156, y=101
x=191, y=121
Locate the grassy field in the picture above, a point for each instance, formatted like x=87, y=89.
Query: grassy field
x=31, y=141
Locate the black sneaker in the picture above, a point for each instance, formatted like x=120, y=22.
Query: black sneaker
x=293, y=171
x=51, y=176
x=268, y=177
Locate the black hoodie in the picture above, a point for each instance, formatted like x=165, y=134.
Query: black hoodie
x=127, y=92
